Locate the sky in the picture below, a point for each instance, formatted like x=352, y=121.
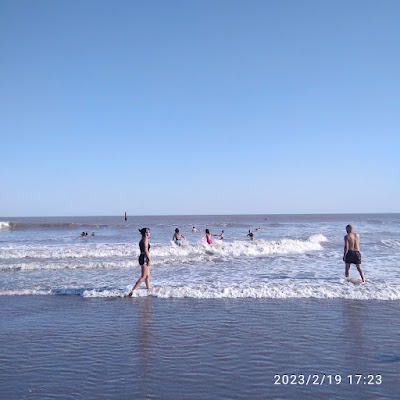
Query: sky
x=167, y=107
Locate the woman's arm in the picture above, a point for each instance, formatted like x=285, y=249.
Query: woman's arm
x=146, y=248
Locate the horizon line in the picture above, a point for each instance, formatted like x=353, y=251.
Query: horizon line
x=197, y=215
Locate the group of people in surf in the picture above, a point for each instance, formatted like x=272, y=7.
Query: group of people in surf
x=84, y=234
x=178, y=236
x=351, y=253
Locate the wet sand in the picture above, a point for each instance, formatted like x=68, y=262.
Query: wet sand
x=68, y=347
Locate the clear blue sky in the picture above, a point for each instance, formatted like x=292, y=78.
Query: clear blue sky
x=199, y=107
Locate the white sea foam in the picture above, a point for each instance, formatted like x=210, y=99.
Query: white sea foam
x=68, y=251
x=106, y=293
x=67, y=264
x=163, y=252
x=104, y=256
x=342, y=290
x=4, y=224
x=339, y=290
x=392, y=243
x=281, y=291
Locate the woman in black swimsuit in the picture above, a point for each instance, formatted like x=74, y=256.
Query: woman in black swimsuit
x=144, y=259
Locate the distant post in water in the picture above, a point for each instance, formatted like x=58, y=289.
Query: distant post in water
x=125, y=216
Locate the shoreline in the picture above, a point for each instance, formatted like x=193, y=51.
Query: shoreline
x=146, y=347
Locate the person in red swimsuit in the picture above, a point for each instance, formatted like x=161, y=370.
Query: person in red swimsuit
x=208, y=236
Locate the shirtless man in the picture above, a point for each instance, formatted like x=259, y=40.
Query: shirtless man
x=177, y=238
x=352, y=253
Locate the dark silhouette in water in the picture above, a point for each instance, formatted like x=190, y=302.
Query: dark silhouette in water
x=125, y=216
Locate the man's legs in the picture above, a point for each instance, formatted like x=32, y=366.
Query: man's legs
x=347, y=270
x=360, y=272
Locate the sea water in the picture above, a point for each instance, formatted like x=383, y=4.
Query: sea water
x=292, y=256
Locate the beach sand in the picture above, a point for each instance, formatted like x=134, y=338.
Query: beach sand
x=69, y=347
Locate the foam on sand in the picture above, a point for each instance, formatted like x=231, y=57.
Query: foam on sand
x=341, y=289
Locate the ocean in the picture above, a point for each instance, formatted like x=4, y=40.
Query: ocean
x=292, y=256
x=272, y=318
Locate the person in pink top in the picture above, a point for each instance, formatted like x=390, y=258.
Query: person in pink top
x=208, y=236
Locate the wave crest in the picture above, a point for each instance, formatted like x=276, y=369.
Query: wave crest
x=340, y=289
x=164, y=253
x=5, y=224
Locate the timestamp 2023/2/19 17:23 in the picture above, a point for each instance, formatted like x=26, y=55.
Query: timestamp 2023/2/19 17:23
x=327, y=379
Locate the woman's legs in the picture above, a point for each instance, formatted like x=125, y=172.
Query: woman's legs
x=147, y=280
x=144, y=278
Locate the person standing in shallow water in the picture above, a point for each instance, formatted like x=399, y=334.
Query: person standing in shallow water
x=352, y=253
x=144, y=260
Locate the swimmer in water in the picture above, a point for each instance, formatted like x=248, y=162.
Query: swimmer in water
x=177, y=238
x=208, y=236
x=222, y=235
x=194, y=230
x=144, y=259
x=251, y=235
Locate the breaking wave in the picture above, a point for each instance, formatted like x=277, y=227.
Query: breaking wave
x=4, y=224
x=341, y=289
x=90, y=255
